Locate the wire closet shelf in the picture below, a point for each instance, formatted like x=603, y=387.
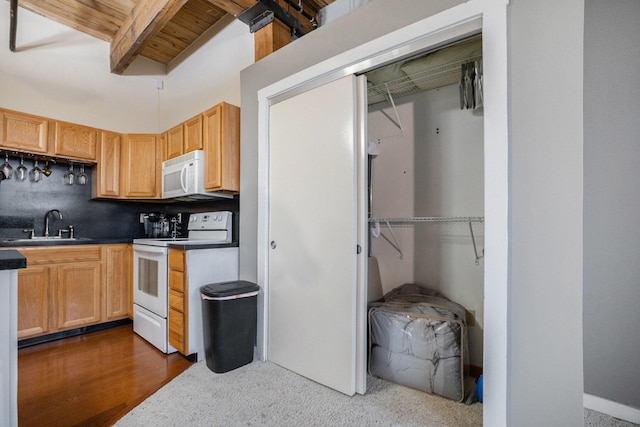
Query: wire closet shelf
x=433, y=219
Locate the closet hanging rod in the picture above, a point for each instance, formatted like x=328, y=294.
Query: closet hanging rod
x=429, y=219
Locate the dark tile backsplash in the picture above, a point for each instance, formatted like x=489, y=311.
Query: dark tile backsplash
x=23, y=204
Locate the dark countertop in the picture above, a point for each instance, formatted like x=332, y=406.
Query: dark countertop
x=103, y=241
x=203, y=246
x=53, y=242
x=12, y=260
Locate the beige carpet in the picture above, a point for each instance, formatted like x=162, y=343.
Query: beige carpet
x=264, y=394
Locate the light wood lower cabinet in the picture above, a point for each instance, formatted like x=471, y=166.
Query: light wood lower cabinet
x=67, y=287
x=77, y=294
x=117, y=282
x=178, y=304
x=33, y=301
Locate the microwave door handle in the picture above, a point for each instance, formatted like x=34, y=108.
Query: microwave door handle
x=183, y=175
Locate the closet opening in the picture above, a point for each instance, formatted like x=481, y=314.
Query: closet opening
x=425, y=148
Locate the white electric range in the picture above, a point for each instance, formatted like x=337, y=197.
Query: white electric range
x=216, y=262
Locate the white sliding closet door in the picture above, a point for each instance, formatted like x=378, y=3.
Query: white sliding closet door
x=316, y=304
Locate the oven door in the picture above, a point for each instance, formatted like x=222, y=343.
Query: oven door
x=150, y=285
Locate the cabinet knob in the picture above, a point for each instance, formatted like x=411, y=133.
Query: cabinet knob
x=273, y=244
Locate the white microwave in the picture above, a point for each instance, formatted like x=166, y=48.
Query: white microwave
x=183, y=178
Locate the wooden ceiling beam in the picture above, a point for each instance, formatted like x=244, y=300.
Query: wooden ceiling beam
x=270, y=38
x=146, y=20
x=234, y=7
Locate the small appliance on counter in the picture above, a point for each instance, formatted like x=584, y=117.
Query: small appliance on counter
x=156, y=225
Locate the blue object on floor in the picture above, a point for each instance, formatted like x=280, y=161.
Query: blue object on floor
x=479, y=389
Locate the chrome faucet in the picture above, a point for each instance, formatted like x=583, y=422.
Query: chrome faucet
x=46, y=220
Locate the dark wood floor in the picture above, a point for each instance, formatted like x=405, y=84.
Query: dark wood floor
x=91, y=379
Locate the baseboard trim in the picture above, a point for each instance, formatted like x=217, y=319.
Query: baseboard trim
x=27, y=342
x=611, y=408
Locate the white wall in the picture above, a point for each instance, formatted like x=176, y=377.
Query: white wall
x=612, y=202
x=61, y=73
x=209, y=76
x=433, y=168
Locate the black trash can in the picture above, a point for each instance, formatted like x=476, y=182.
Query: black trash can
x=229, y=318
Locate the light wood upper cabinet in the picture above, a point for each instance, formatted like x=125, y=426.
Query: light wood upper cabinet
x=221, y=143
x=24, y=132
x=141, y=166
x=75, y=141
x=107, y=177
x=183, y=138
x=192, y=134
x=174, y=141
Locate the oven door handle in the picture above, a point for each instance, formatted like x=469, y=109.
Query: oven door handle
x=152, y=250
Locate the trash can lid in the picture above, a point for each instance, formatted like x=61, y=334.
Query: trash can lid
x=225, y=289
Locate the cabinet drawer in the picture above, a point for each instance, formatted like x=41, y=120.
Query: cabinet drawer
x=176, y=300
x=176, y=280
x=61, y=254
x=176, y=260
x=176, y=330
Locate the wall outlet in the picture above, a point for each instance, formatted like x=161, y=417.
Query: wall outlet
x=142, y=214
x=471, y=318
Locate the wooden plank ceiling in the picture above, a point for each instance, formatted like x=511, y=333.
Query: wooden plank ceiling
x=156, y=29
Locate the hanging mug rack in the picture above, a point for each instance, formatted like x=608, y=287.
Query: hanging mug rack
x=36, y=173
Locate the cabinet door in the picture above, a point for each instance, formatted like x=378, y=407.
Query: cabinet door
x=139, y=167
x=33, y=301
x=174, y=142
x=107, y=182
x=221, y=143
x=78, y=294
x=116, y=282
x=192, y=134
x=23, y=132
x=76, y=141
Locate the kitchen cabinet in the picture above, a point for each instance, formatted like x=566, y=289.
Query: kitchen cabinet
x=24, y=132
x=173, y=142
x=117, y=282
x=192, y=134
x=106, y=182
x=141, y=166
x=74, y=141
x=178, y=304
x=33, y=301
x=77, y=296
x=188, y=271
x=67, y=287
x=183, y=138
x=221, y=143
